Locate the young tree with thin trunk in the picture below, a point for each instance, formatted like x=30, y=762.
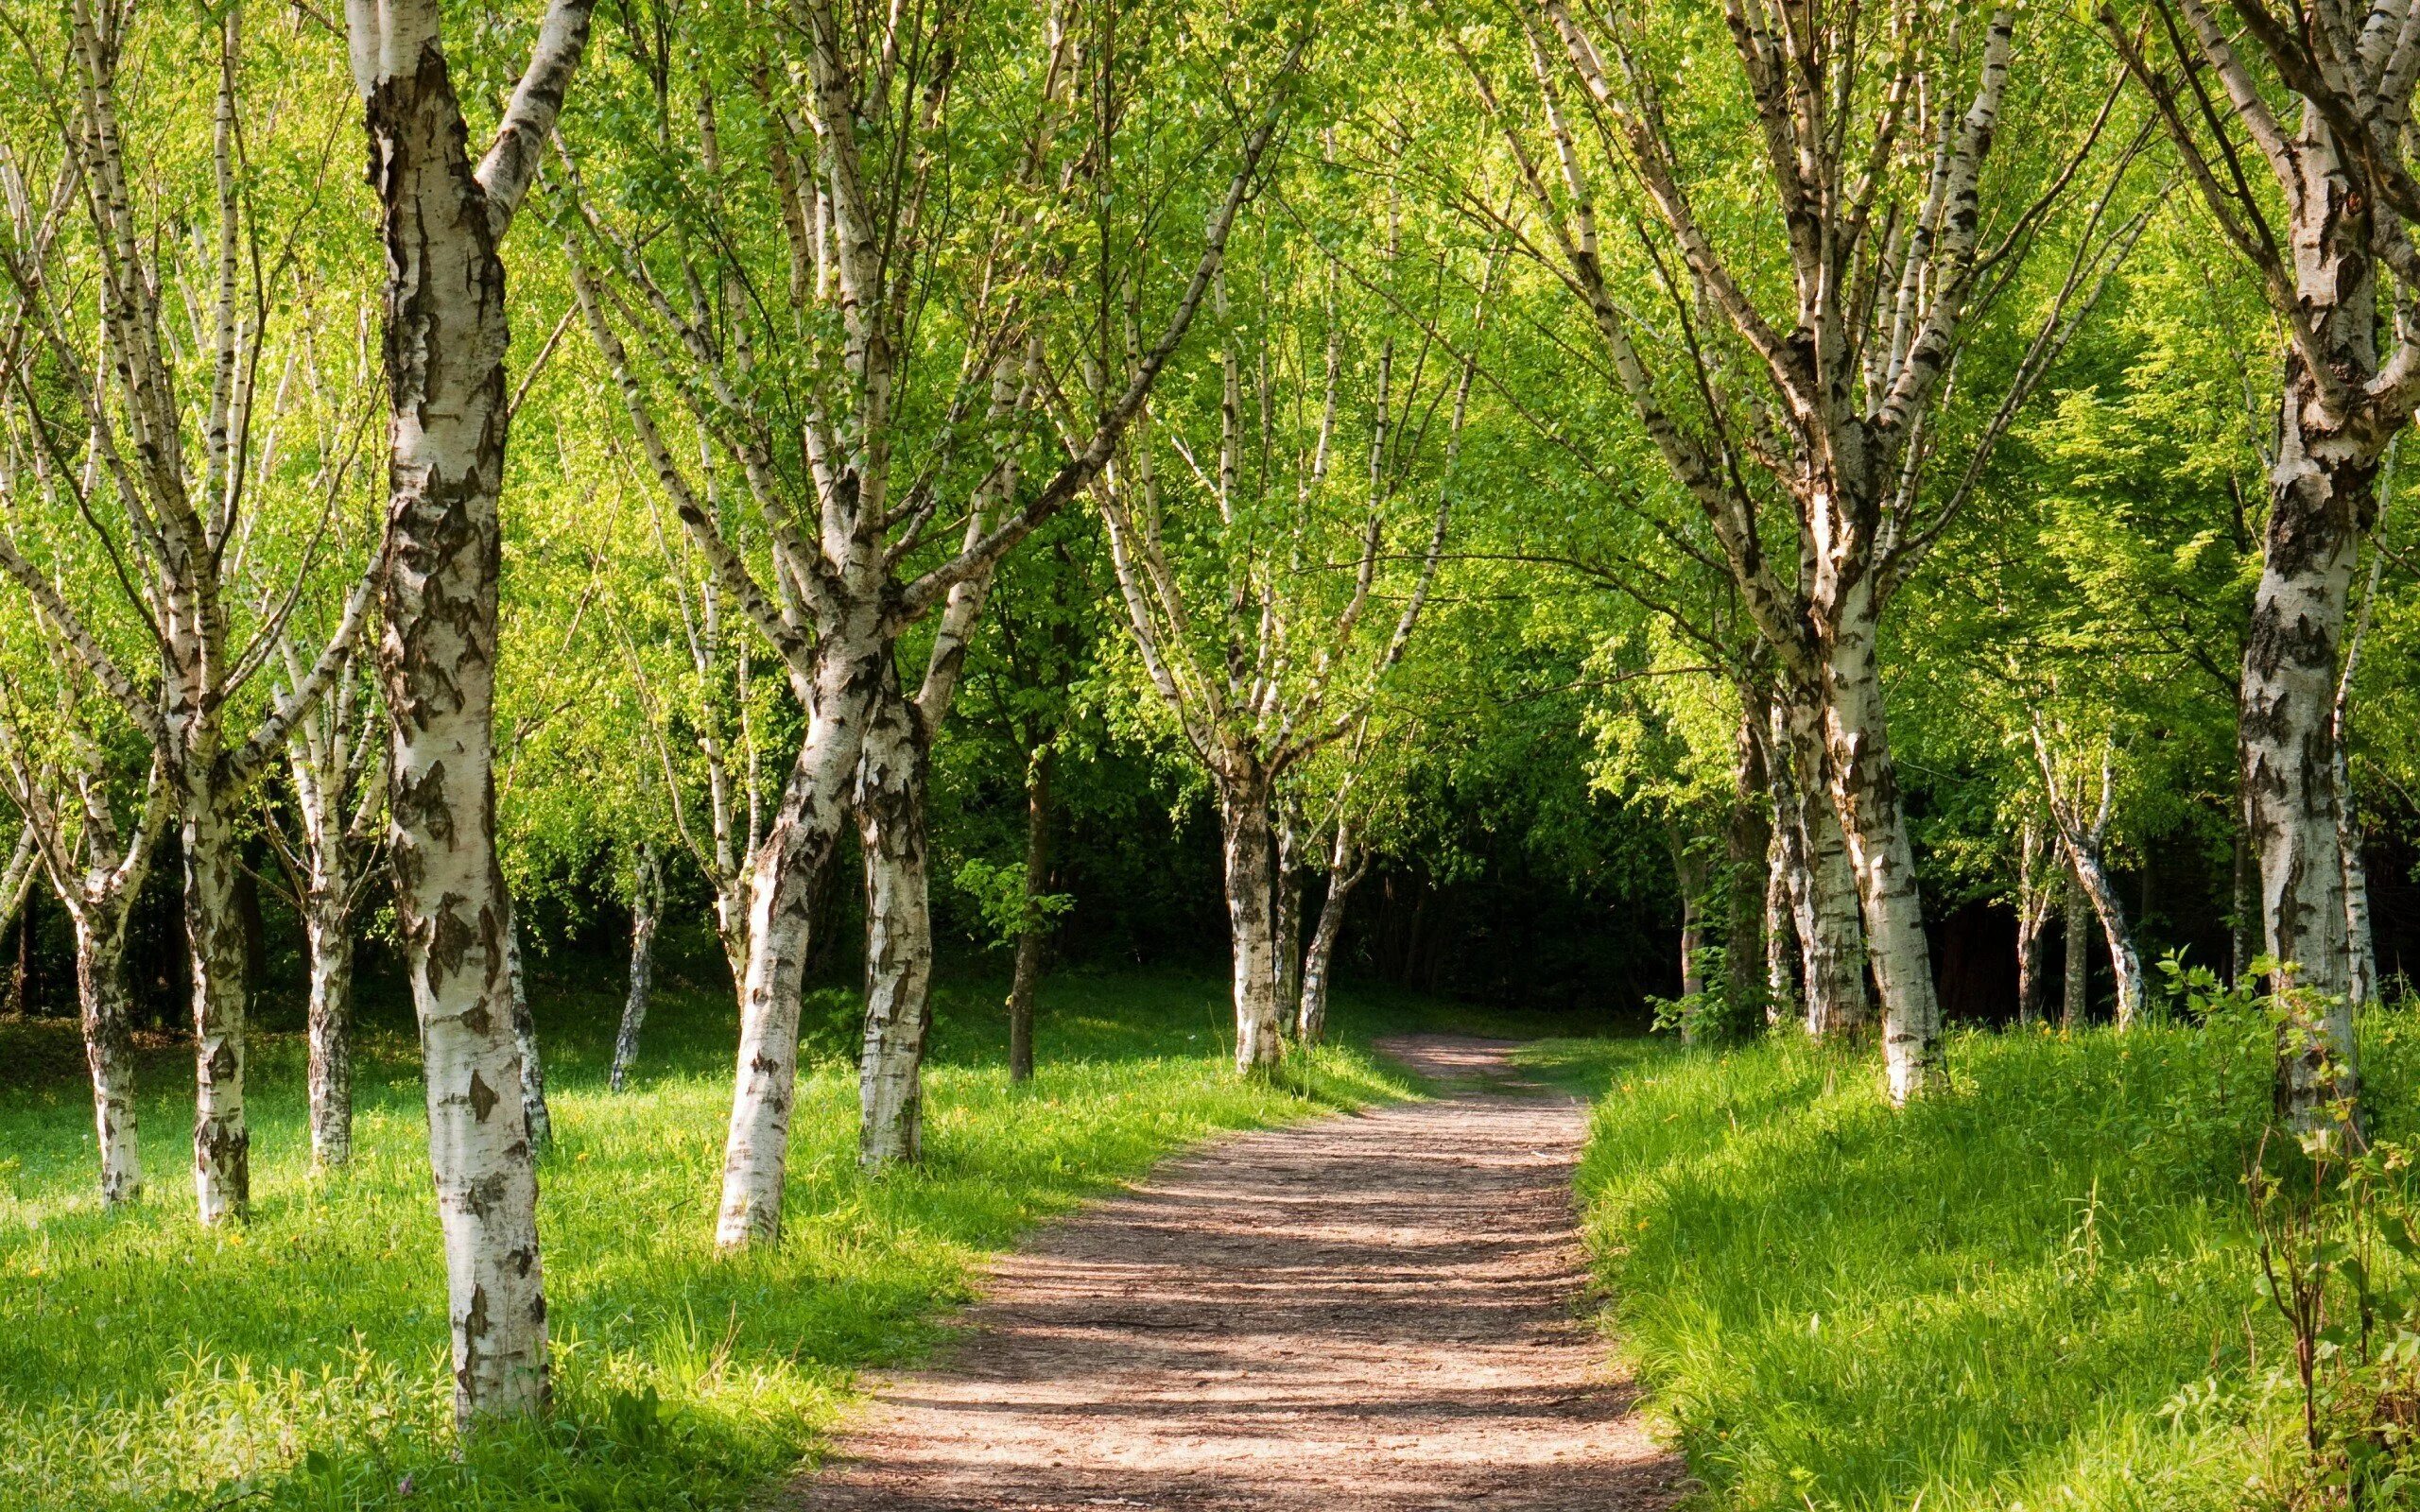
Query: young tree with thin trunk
x=2082, y=838
x=1873, y=127
x=441, y=219
x=158, y=423
x=2036, y=891
x=334, y=756
x=97, y=863
x=647, y=912
x=2295, y=130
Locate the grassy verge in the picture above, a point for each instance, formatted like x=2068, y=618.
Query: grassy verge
x=2034, y=1291
x=300, y=1362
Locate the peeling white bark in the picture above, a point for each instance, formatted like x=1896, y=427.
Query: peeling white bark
x=646, y=908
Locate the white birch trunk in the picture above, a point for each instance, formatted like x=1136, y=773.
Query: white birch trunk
x=221, y=1141
x=1831, y=932
x=797, y=850
x=1781, y=930
x=328, y=928
x=899, y=941
x=525, y=1038
x=647, y=907
x=2125, y=965
x=2034, y=901
x=1026, y=981
x=1347, y=864
x=1243, y=815
x=1286, y=919
x=1865, y=789
x=108, y=1051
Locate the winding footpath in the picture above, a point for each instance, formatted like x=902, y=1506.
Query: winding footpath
x=1372, y=1313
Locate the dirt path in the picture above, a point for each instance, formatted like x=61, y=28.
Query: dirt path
x=1367, y=1313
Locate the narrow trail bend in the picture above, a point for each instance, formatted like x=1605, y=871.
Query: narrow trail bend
x=1373, y=1313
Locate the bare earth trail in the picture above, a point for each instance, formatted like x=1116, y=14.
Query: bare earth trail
x=1372, y=1313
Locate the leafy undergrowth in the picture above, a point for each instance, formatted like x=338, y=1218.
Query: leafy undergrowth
x=2035, y=1291
x=302, y=1362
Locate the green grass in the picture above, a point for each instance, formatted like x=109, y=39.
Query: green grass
x=302, y=1362
x=2034, y=1291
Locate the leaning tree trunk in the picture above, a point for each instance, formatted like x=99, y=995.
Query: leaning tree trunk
x=328, y=929
x=899, y=935
x=2124, y=964
x=1831, y=932
x=109, y=1050
x=1033, y=931
x=1243, y=816
x=525, y=1038
x=791, y=863
x=646, y=905
x=1285, y=919
x=445, y=342
x=1319, y=962
x=216, y=945
x=2075, y=1004
x=1865, y=788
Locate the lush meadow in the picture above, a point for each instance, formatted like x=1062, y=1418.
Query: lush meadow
x=2037, y=1290
x=301, y=1360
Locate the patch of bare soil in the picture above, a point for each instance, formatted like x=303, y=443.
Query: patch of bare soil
x=1373, y=1313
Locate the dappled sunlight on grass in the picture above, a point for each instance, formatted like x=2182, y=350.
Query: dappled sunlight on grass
x=300, y=1362
x=2033, y=1291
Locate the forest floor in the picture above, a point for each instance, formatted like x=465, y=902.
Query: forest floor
x=1378, y=1312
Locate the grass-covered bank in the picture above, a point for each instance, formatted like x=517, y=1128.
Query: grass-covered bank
x=300, y=1362
x=2035, y=1291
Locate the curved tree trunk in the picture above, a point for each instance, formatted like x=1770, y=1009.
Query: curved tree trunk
x=790, y=866
x=1243, y=818
x=647, y=907
x=899, y=936
x=1347, y=864
x=214, y=942
x=1033, y=932
x=109, y=1051
x=2125, y=965
x=1865, y=788
x=328, y=929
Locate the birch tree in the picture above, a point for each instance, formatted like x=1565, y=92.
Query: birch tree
x=1254, y=572
x=441, y=218
x=166, y=433
x=2294, y=129
x=900, y=431
x=1871, y=130
x=2082, y=838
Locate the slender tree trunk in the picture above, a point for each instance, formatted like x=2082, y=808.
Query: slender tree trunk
x=1865, y=788
x=328, y=929
x=2033, y=899
x=2361, y=952
x=108, y=1051
x=1347, y=866
x=445, y=341
x=1831, y=932
x=899, y=936
x=1748, y=837
x=1243, y=814
x=2125, y=965
x=1032, y=933
x=2242, y=927
x=1286, y=920
x=2077, y=1002
x=214, y=941
x=525, y=1038
x=1691, y=874
x=790, y=865
x=1781, y=931
x=647, y=907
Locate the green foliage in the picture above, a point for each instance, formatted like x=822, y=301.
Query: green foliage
x=300, y=1363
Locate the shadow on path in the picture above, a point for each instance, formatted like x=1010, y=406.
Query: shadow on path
x=1372, y=1313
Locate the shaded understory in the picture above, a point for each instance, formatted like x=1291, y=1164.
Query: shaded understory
x=301, y=1363
x=2033, y=1291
